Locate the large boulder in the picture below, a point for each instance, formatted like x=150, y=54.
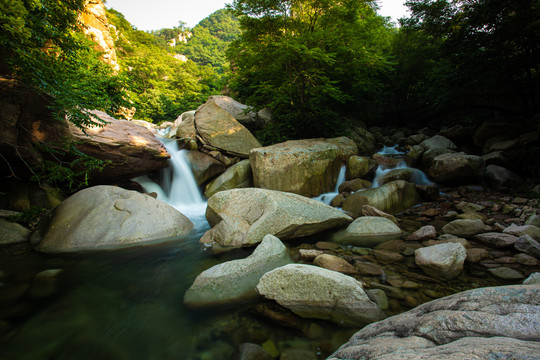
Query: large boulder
x=132, y=150
x=236, y=177
x=464, y=227
x=313, y=292
x=475, y=324
x=438, y=142
x=204, y=167
x=242, y=217
x=235, y=281
x=392, y=198
x=368, y=231
x=242, y=113
x=105, y=217
x=359, y=167
x=219, y=129
x=11, y=233
x=363, y=139
x=457, y=167
x=307, y=167
x=443, y=261
x=500, y=177
x=184, y=127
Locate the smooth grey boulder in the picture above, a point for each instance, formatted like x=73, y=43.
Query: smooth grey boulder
x=11, y=233
x=235, y=281
x=443, y=261
x=464, y=227
x=475, y=324
x=496, y=240
x=313, y=292
x=368, y=231
x=392, y=198
x=242, y=217
x=235, y=177
x=105, y=217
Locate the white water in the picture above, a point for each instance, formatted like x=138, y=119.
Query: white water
x=327, y=197
x=418, y=176
x=177, y=186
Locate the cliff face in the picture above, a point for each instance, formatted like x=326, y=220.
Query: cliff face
x=96, y=26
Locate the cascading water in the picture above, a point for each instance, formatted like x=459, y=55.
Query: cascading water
x=327, y=197
x=397, y=162
x=177, y=186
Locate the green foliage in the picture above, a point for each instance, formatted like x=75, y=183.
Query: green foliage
x=466, y=54
x=160, y=85
x=28, y=216
x=65, y=167
x=310, y=62
x=42, y=44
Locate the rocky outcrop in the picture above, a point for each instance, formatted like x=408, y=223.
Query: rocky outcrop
x=220, y=130
x=242, y=217
x=475, y=324
x=313, y=292
x=368, y=231
x=391, y=198
x=235, y=177
x=443, y=261
x=306, y=167
x=235, y=281
x=105, y=217
x=96, y=26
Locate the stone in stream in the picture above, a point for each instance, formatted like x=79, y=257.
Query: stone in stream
x=475, y=324
x=242, y=217
x=516, y=230
x=424, y=233
x=235, y=281
x=457, y=168
x=368, y=210
x=528, y=245
x=438, y=142
x=443, y=261
x=106, y=217
x=313, y=292
x=392, y=198
x=235, y=177
x=204, y=167
x=464, y=227
x=496, y=240
x=504, y=272
x=359, y=166
x=11, y=233
x=368, y=231
x=335, y=263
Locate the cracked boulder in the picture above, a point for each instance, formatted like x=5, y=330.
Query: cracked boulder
x=109, y=217
x=488, y=323
x=242, y=217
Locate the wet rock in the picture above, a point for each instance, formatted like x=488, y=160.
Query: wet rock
x=504, y=272
x=499, y=177
x=464, y=227
x=387, y=257
x=309, y=254
x=528, y=245
x=496, y=240
x=525, y=259
x=326, y=245
x=391, y=198
x=249, y=351
x=429, y=156
x=424, y=233
x=45, y=283
x=335, y=263
x=467, y=207
x=379, y=297
x=457, y=168
x=354, y=185
x=368, y=231
x=204, y=167
x=219, y=129
x=237, y=176
x=444, y=240
x=314, y=292
x=307, y=167
x=410, y=175
x=359, y=167
x=444, y=261
x=184, y=127
x=438, y=142
x=516, y=230
x=478, y=323
x=475, y=255
x=12, y=233
x=413, y=156
x=235, y=281
x=368, y=210
x=89, y=220
x=367, y=268
x=242, y=217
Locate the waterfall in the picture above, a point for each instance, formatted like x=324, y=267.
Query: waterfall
x=394, y=159
x=327, y=197
x=177, y=186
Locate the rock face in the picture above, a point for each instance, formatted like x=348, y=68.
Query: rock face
x=103, y=217
x=306, y=167
x=133, y=150
x=236, y=177
x=313, y=292
x=235, y=281
x=457, y=167
x=242, y=217
x=219, y=129
x=475, y=324
x=391, y=198
x=368, y=231
x=97, y=27
x=443, y=261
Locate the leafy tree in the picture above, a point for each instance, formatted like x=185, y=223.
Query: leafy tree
x=310, y=62
x=464, y=54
